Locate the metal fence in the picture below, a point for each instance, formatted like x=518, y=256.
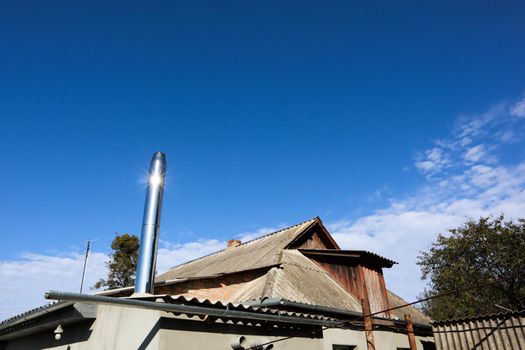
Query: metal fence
x=490, y=332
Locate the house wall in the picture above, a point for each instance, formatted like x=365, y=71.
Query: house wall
x=226, y=288
x=383, y=340
x=178, y=335
x=126, y=328
x=114, y=328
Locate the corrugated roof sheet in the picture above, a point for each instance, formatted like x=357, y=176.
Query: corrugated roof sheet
x=260, y=252
x=43, y=308
x=235, y=306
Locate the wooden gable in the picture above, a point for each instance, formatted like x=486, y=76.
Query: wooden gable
x=315, y=237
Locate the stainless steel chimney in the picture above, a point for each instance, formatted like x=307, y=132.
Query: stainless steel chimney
x=149, y=237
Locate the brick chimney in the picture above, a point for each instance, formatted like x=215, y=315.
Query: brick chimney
x=232, y=243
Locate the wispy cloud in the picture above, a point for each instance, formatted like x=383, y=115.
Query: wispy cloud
x=518, y=109
x=432, y=161
x=249, y=235
x=476, y=154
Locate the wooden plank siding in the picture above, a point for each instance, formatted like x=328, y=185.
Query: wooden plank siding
x=362, y=282
x=375, y=286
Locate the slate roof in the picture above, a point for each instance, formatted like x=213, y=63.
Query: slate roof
x=395, y=301
x=289, y=274
x=300, y=279
x=260, y=252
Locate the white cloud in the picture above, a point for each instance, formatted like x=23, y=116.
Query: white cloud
x=518, y=109
x=174, y=254
x=25, y=280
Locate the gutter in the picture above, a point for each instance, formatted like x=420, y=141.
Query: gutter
x=187, y=309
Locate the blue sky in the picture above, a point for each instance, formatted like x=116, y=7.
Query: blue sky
x=390, y=121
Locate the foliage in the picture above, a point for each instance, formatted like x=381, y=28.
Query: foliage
x=122, y=263
x=477, y=253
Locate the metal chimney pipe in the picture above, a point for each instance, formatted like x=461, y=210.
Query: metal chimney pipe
x=149, y=237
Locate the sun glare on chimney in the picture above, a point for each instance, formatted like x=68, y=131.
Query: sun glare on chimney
x=155, y=180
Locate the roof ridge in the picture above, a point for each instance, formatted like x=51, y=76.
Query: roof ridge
x=283, y=229
x=243, y=243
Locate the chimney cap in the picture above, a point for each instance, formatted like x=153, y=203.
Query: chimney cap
x=232, y=243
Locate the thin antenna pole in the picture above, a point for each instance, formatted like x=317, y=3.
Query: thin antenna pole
x=85, y=263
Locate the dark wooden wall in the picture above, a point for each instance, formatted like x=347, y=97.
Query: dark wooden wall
x=376, y=289
x=360, y=281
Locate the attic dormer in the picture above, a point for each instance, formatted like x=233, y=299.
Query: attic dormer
x=359, y=272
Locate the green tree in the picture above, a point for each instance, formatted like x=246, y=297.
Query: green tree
x=122, y=263
x=476, y=253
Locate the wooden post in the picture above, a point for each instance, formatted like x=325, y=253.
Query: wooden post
x=368, y=325
x=410, y=332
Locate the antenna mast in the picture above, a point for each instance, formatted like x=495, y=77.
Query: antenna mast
x=85, y=263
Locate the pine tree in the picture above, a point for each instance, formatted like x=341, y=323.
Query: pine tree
x=122, y=263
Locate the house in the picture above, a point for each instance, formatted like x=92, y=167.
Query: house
x=291, y=289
